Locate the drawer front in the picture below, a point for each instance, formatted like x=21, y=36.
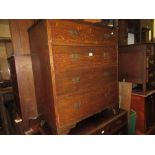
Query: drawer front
x=84, y=80
x=98, y=100
x=74, y=33
x=68, y=109
x=73, y=108
x=67, y=58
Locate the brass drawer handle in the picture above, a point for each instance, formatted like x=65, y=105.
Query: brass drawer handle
x=107, y=94
x=76, y=79
x=105, y=55
x=106, y=36
x=77, y=105
x=75, y=56
x=106, y=73
x=74, y=32
x=151, y=62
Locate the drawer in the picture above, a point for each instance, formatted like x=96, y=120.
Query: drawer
x=68, y=58
x=98, y=100
x=84, y=80
x=72, y=108
x=68, y=109
x=74, y=33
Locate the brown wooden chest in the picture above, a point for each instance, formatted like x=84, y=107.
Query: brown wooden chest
x=144, y=106
x=75, y=70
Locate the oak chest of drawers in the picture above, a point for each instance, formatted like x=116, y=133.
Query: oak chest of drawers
x=136, y=65
x=75, y=70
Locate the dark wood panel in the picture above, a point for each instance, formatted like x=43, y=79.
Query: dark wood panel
x=23, y=84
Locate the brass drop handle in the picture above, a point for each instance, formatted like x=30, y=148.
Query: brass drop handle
x=107, y=36
x=74, y=32
x=107, y=94
x=75, y=56
x=105, y=55
x=151, y=62
x=76, y=80
x=77, y=105
x=106, y=73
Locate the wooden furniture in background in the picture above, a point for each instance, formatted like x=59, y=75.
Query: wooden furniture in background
x=21, y=71
x=103, y=124
x=144, y=106
x=6, y=94
x=128, y=26
x=75, y=70
x=136, y=64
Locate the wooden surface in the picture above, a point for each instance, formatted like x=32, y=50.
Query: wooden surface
x=125, y=89
x=75, y=70
x=101, y=124
x=4, y=67
x=21, y=71
x=19, y=35
x=5, y=95
x=145, y=112
x=24, y=91
x=136, y=63
x=4, y=29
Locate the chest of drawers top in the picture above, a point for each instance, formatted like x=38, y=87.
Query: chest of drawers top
x=70, y=32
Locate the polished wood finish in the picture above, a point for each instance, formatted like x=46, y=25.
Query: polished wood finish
x=103, y=124
x=75, y=70
x=21, y=71
x=136, y=65
x=144, y=106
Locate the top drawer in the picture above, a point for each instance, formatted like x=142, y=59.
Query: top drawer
x=66, y=32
